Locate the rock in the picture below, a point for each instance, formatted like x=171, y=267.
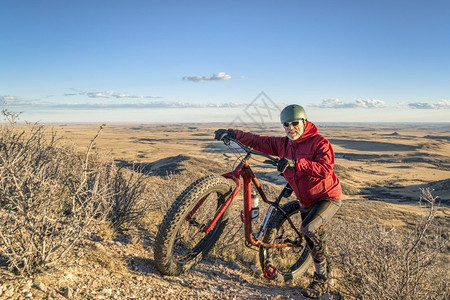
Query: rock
x=29, y=283
x=96, y=238
x=234, y=265
x=8, y=293
x=107, y=291
x=67, y=292
x=39, y=286
x=124, y=238
x=146, y=243
x=99, y=247
x=255, y=269
x=94, y=284
x=69, y=276
x=28, y=294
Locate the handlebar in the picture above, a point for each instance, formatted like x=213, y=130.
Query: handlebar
x=270, y=159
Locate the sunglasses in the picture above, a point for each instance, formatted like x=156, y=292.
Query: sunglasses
x=293, y=123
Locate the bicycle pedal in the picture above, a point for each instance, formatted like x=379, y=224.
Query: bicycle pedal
x=270, y=271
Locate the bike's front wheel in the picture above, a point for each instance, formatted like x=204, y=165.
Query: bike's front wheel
x=287, y=263
x=181, y=241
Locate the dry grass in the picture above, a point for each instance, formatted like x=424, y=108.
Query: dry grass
x=374, y=261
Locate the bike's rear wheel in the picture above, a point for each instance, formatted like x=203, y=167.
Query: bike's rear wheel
x=181, y=241
x=289, y=262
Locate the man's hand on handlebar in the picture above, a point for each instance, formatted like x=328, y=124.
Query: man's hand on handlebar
x=285, y=163
x=224, y=134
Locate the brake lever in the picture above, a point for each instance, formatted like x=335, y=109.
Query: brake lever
x=226, y=141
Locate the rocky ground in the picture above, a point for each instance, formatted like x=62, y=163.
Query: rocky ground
x=124, y=269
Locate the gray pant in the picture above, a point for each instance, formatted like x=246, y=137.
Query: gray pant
x=313, y=220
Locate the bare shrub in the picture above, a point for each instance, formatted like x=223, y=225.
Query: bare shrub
x=50, y=197
x=376, y=262
x=128, y=202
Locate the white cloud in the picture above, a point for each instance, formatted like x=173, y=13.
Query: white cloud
x=221, y=76
x=443, y=104
x=370, y=103
x=98, y=94
x=108, y=95
x=8, y=98
x=154, y=104
x=14, y=100
x=336, y=103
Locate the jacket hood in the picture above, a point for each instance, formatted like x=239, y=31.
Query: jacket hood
x=310, y=131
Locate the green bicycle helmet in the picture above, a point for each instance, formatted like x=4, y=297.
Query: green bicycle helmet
x=292, y=112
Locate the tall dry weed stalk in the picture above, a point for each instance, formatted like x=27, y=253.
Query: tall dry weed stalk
x=377, y=262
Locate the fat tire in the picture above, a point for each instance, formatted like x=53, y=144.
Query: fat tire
x=267, y=255
x=165, y=258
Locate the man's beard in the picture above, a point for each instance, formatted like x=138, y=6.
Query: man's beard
x=293, y=138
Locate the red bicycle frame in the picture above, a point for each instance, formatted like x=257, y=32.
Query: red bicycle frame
x=243, y=170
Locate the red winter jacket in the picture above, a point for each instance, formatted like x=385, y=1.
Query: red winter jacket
x=313, y=178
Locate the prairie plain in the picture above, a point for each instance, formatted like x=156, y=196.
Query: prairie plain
x=382, y=168
x=387, y=162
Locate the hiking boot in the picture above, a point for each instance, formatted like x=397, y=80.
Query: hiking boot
x=317, y=287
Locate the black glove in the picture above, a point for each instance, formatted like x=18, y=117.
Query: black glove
x=220, y=134
x=285, y=163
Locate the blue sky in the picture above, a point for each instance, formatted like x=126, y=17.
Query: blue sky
x=186, y=61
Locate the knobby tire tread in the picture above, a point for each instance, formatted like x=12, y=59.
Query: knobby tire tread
x=169, y=227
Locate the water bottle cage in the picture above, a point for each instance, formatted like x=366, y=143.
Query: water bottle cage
x=254, y=213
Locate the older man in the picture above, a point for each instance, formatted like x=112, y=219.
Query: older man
x=307, y=161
